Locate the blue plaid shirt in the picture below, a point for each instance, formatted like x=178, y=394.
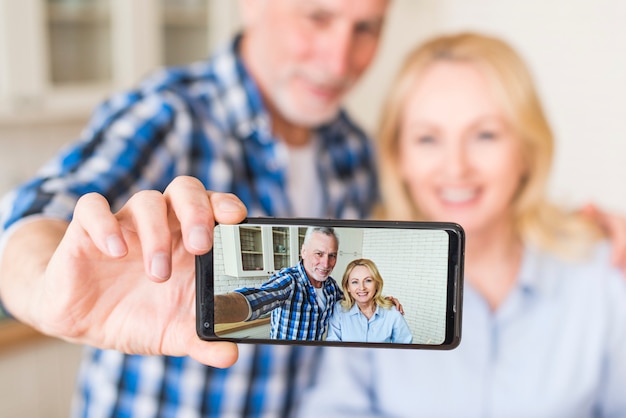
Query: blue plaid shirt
x=291, y=298
x=206, y=120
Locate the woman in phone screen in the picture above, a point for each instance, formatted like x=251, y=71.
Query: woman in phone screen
x=364, y=315
x=464, y=139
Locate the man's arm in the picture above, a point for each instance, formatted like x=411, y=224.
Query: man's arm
x=231, y=307
x=121, y=281
x=24, y=260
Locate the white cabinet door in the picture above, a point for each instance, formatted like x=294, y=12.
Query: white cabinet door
x=251, y=251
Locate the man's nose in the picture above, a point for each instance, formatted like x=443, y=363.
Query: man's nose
x=329, y=261
x=338, y=48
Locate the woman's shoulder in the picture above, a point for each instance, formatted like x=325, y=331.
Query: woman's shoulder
x=594, y=271
x=391, y=311
x=596, y=260
x=340, y=309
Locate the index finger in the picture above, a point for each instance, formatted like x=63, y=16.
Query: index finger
x=197, y=209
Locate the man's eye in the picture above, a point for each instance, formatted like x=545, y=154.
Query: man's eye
x=367, y=28
x=319, y=18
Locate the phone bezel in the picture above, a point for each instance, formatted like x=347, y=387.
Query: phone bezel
x=454, y=302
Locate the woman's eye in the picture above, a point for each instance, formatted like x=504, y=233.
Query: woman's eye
x=487, y=135
x=425, y=139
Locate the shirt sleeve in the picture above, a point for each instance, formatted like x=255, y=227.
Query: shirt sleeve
x=269, y=296
x=133, y=142
x=401, y=332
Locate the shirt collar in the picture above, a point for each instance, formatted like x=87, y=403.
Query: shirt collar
x=242, y=97
x=354, y=310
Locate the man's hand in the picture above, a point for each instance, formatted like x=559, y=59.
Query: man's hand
x=614, y=226
x=123, y=281
x=396, y=303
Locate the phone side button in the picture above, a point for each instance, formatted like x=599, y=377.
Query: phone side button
x=456, y=289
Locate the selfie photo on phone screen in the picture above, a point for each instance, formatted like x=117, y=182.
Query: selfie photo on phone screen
x=333, y=283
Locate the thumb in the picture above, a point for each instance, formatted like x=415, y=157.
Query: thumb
x=220, y=354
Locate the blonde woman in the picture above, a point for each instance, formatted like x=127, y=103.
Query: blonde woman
x=464, y=138
x=364, y=315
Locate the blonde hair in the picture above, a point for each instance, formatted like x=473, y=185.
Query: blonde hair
x=535, y=219
x=379, y=300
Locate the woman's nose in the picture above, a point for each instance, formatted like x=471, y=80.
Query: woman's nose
x=456, y=161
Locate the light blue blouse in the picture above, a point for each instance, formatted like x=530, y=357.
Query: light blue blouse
x=385, y=326
x=556, y=347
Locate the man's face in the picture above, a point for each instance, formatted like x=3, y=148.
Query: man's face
x=319, y=256
x=306, y=54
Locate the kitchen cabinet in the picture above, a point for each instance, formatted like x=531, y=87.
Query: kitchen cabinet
x=251, y=251
x=59, y=58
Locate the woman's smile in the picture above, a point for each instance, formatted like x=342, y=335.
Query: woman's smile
x=458, y=196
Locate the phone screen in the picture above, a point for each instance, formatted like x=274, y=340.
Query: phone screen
x=333, y=282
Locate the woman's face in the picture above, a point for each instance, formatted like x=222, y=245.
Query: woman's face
x=458, y=155
x=361, y=285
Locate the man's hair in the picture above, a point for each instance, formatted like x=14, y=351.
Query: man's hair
x=326, y=230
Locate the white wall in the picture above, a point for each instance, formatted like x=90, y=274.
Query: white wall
x=577, y=53
x=414, y=268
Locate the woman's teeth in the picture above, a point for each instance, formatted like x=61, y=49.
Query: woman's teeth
x=458, y=195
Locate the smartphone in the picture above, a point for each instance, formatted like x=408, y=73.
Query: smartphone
x=281, y=281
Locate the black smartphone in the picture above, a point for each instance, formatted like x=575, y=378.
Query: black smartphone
x=333, y=282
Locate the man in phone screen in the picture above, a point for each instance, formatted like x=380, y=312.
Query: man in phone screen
x=301, y=298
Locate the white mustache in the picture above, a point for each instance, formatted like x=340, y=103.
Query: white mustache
x=324, y=80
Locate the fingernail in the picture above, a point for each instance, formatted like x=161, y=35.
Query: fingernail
x=160, y=266
x=200, y=238
x=229, y=205
x=115, y=246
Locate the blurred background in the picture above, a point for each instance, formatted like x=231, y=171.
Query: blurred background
x=59, y=58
